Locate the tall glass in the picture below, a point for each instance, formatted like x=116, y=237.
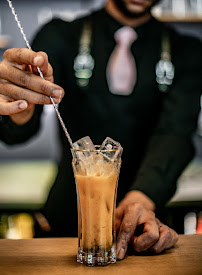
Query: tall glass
x=96, y=182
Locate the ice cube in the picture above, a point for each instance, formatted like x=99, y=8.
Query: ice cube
x=97, y=166
x=114, y=149
x=89, y=162
x=84, y=143
x=83, y=157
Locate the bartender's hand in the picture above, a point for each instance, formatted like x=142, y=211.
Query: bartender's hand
x=138, y=226
x=21, y=87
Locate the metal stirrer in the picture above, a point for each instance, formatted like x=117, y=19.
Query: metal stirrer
x=41, y=75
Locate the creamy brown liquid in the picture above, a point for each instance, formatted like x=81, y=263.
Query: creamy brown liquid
x=96, y=196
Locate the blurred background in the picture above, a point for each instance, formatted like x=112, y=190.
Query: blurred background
x=27, y=171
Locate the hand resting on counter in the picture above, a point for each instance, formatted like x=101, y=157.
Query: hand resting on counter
x=138, y=227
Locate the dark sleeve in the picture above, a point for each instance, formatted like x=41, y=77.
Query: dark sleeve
x=11, y=133
x=170, y=147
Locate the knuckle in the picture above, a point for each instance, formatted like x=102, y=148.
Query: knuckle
x=7, y=53
x=19, y=52
x=24, y=79
x=129, y=208
x=4, y=71
x=127, y=227
x=15, y=93
x=11, y=93
x=134, y=207
x=43, y=100
x=145, y=245
x=137, y=207
x=46, y=89
x=152, y=238
x=43, y=88
x=167, y=232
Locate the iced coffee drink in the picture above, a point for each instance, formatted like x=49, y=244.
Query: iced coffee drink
x=96, y=173
x=96, y=196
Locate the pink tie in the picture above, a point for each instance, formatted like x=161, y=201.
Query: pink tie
x=121, y=69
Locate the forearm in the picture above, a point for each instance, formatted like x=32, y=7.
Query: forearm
x=166, y=158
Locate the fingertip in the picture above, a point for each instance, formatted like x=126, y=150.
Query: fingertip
x=22, y=105
x=38, y=60
x=121, y=253
x=155, y=250
x=121, y=248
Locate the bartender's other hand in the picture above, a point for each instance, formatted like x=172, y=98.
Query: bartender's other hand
x=139, y=227
x=21, y=87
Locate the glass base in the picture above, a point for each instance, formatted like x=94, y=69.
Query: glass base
x=97, y=258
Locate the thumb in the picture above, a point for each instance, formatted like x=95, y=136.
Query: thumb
x=14, y=107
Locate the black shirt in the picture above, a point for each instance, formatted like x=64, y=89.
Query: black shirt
x=154, y=128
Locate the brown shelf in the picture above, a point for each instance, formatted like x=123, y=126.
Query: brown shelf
x=170, y=17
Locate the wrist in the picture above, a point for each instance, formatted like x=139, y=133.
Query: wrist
x=136, y=196
x=24, y=116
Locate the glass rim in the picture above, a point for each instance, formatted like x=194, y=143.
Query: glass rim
x=97, y=150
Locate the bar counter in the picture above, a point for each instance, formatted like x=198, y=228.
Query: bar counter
x=58, y=256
